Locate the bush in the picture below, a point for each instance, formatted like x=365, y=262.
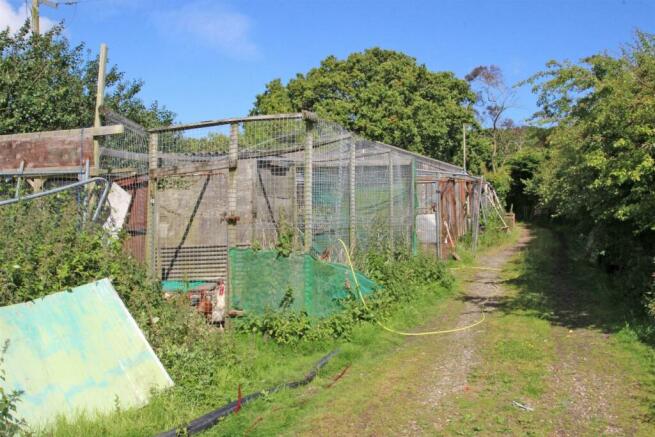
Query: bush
x=9, y=423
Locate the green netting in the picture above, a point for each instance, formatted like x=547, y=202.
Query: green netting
x=260, y=279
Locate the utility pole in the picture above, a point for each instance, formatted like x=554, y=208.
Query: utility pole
x=35, y=12
x=464, y=142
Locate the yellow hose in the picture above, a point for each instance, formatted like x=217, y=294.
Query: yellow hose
x=386, y=328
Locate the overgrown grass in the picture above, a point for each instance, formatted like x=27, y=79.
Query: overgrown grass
x=47, y=251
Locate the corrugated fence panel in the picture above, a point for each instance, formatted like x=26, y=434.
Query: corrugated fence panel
x=77, y=350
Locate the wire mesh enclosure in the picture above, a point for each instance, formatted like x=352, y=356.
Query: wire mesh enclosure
x=189, y=197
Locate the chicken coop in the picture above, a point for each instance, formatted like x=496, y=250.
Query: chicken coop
x=262, y=202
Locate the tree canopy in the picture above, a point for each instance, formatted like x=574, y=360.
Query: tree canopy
x=600, y=176
x=45, y=83
x=384, y=96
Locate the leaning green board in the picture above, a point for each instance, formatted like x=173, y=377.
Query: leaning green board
x=77, y=350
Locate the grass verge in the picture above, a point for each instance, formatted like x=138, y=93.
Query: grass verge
x=563, y=345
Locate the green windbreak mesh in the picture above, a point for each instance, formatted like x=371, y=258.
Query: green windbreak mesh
x=260, y=279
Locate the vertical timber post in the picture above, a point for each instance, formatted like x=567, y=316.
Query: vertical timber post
x=309, y=162
x=437, y=218
x=391, y=222
x=232, y=217
x=151, y=230
x=352, y=225
x=294, y=206
x=412, y=195
x=477, y=207
x=100, y=100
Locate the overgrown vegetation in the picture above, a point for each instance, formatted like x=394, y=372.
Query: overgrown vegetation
x=48, y=248
x=598, y=174
x=400, y=277
x=9, y=423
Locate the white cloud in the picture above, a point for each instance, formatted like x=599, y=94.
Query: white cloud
x=226, y=31
x=14, y=19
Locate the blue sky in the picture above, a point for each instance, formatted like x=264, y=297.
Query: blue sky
x=208, y=59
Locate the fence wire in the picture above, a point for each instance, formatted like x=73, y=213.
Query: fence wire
x=184, y=198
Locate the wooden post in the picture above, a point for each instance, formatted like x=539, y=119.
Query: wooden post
x=151, y=229
x=464, y=143
x=309, y=159
x=233, y=218
x=352, y=224
x=294, y=205
x=391, y=223
x=437, y=218
x=35, y=16
x=100, y=100
x=477, y=194
x=412, y=195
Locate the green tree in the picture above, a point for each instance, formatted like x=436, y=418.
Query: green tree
x=602, y=169
x=45, y=83
x=384, y=96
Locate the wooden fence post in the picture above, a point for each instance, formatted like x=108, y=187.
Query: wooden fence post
x=151, y=218
x=412, y=196
x=309, y=160
x=352, y=225
x=477, y=194
x=437, y=219
x=232, y=216
x=391, y=223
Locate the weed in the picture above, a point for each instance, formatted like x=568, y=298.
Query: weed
x=10, y=424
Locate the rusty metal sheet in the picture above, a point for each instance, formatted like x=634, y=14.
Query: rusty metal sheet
x=45, y=152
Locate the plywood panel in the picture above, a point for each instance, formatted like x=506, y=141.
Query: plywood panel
x=77, y=350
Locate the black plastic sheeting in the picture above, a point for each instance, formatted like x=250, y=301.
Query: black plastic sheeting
x=213, y=417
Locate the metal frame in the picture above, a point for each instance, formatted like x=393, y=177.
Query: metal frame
x=101, y=201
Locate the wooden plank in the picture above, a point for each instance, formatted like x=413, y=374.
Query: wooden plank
x=87, y=131
x=186, y=170
x=224, y=121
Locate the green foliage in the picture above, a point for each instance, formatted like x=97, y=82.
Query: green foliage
x=501, y=181
x=45, y=84
x=9, y=423
x=601, y=171
x=523, y=196
x=46, y=249
x=285, y=238
x=287, y=299
x=383, y=95
x=402, y=279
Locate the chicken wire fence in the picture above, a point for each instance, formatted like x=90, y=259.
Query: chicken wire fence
x=231, y=200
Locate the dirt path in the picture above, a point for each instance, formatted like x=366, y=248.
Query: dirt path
x=482, y=290
x=404, y=393
x=542, y=363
